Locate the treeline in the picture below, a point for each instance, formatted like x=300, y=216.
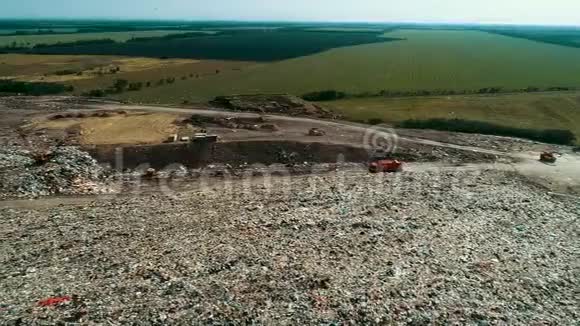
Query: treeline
x=26, y=48
x=565, y=38
x=36, y=32
x=484, y=90
x=123, y=85
x=75, y=43
x=15, y=46
x=227, y=45
x=552, y=136
x=170, y=37
x=330, y=95
x=10, y=87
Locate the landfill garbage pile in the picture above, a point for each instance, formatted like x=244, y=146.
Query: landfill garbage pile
x=273, y=103
x=412, y=248
x=59, y=170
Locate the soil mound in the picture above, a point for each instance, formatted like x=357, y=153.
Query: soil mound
x=279, y=103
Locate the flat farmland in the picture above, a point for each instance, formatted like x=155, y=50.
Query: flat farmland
x=32, y=40
x=25, y=66
x=551, y=110
x=268, y=45
x=182, y=70
x=89, y=72
x=425, y=60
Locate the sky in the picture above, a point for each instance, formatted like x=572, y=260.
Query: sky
x=540, y=12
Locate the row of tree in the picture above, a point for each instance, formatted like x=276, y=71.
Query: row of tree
x=553, y=136
x=331, y=95
x=123, y=85
x=11, y=87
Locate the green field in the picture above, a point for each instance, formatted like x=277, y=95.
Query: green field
x=557, y=110
x=554, y=35
x=345, y=29
x=32, y=40
x=37, y=31
x=241, y=44
x=298, y=59
x=426, y=60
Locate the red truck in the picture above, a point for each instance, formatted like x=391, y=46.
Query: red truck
x=377, y=166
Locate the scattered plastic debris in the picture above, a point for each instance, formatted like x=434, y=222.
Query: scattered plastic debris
x=53, y=301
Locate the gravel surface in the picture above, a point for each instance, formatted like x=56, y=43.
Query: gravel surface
x=416, y=248
x=59, y=170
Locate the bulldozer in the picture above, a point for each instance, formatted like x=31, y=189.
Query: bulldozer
x=150, y=173
x=548, y=157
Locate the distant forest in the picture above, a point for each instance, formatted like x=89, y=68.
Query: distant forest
x=271, y=45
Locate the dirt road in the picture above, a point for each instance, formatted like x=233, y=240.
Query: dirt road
x=565, y=175
x=361, y=129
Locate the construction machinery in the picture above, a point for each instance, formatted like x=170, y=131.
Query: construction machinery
x=316, y=132
x=377, y=166
x=548, y=157
x=150, y=173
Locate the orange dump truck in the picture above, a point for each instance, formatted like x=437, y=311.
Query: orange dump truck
x=385, y=166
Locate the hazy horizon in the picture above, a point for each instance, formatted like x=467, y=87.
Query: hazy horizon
x=426, y=23
x=501, y=12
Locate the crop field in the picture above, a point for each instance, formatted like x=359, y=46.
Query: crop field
x=244, y=45
x=182, y=70
x=32, y=40
x=345, y=29
x=425, y=60
x=86, y=72
x=569, y=36
x=357, y=60
x=62, y=68
x=557, y=110
x=36, y=31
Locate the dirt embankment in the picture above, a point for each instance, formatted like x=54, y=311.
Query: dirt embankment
x=197, y=154
x=275, y=103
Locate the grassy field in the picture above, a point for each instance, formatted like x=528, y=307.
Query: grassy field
x=345, y=29
x=94, y=72
x=334, y=58
x=36, y=30
x=182, y=70
x=558, y=110
x=566, y=36
x=426, y=60
x=31, y=40
x=22, y=65
x=239, y=44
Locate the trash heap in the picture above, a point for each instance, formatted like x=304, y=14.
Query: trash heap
x=58, y=170
x=273, y=103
